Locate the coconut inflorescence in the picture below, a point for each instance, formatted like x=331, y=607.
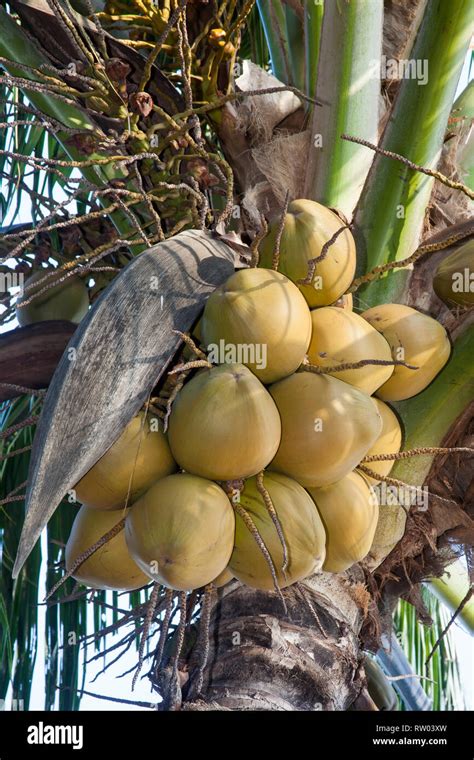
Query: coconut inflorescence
x=262, y=473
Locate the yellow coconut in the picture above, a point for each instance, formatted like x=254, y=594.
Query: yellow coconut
x=68, y=300
x=223, y=578
x=139, y=457
x=349, y=511
x=414, y=338
x=258, y=318
x=224, y=424
x=181, y=532
x=301, y=525
x=341, y=337
x=390, y=530
x=307, y=227
x=388, y=442
x=111, y=566
x=327, y=427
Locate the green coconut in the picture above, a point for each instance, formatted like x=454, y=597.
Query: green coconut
x=181, y=532
x=111, y=566
x=258, y=318
x=349, y=511
x=68, y=300
x=328, y=426
x=340, y=337
x=389, y=532
x=416, y=339
x=388, y=442
x=136, y=460
x=224, y=424
x=307, y=227
x=301, y=525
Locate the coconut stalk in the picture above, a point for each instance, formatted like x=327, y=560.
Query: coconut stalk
x=391, y=211
x=17, y=48
x=451, y=589
x=348, y=86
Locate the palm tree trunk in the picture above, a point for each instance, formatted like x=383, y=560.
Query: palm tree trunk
x=261, y=658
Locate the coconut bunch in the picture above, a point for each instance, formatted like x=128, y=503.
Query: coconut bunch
x=260, y=475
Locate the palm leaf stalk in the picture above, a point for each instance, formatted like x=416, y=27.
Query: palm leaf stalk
x=390, y=213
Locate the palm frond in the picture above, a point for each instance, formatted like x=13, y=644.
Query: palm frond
x=440, y=678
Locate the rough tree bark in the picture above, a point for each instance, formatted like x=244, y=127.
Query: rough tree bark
x=263, y=659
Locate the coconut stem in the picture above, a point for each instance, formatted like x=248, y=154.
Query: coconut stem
x=276, y=252
x=169, y=597
x=22, y=390
x=190, y=365
x=172, y=396
x=203, y=640
x=15, y=452
x=417, y=452
x=310, y=606
x=267, y=500
x=399, y=484
x=354, y=365
x=174, y=685
x=249, y=523
x=254, y=245
x=150, y=611
x=377, y=272
x=312, y=263
x=460, y=608
x=11, y=497
x=118, y=527
x=416, y=167
x=19, y=426
x=192, y=345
